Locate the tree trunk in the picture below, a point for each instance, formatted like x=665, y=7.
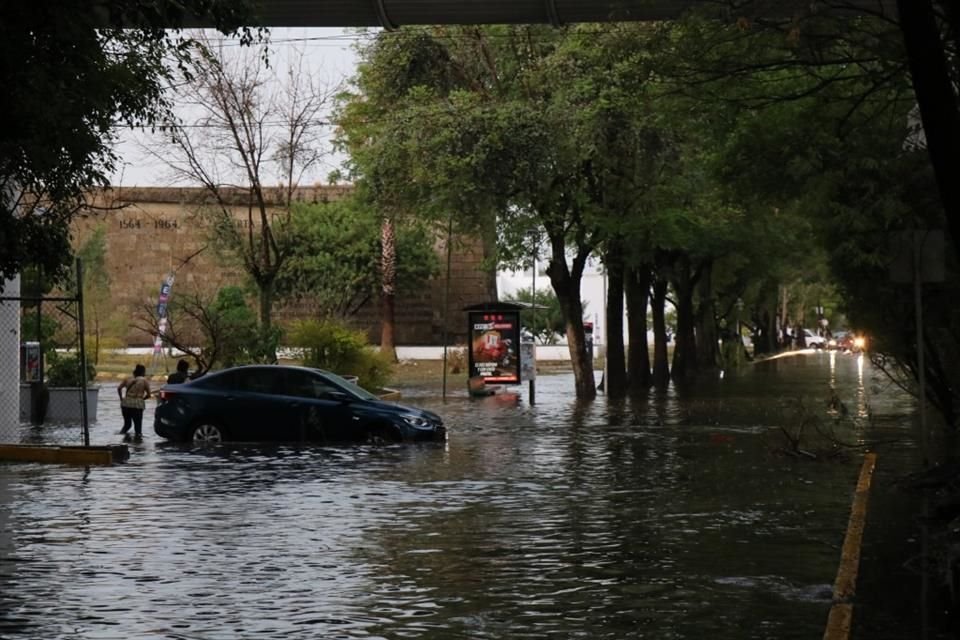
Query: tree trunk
x=765, y=338
x=936, y=98
x=661, y=367
x=388, y=288
x=708, y=352
x=266, y=287
x=566, y=284
x=638, y=356
x=615, y=382
x=97, y=333
x=783, y=307
x=685, y=346
x=769, y=324
x=941, y=350
x=266, y=304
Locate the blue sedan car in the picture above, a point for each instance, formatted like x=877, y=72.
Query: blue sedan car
x=286, y=403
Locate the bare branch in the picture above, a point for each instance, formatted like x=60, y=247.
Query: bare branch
x=240, y=118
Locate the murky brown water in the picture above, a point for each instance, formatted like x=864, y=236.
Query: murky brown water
x=669, y=517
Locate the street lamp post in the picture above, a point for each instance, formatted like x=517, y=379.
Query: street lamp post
x=533, y=323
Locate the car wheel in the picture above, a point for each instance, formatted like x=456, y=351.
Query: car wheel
x=206, y=433
x=380, y=435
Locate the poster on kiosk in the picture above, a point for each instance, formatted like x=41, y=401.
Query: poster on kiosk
x=495, y=346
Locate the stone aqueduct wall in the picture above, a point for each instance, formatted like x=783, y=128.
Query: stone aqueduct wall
x=153, y=231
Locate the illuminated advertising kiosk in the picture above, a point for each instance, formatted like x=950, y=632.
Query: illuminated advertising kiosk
x=494, y=333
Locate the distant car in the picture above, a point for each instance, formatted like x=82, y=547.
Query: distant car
x=848, y=341
x=839, y=340
x=813, y=340
x=285, y=403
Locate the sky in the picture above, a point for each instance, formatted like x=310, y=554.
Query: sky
x=328, y=53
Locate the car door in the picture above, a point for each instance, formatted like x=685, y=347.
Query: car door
x=264, y=411
x=215, y=398
x=324, y=410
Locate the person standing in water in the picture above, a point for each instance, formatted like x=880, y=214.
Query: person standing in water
x=133, y=402
x=180, y=375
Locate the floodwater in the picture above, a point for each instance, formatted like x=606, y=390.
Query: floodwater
x=673, y=516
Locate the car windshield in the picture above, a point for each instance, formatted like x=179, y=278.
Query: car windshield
x=353, y=388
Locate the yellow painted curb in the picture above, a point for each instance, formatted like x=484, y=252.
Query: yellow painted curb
x=840, y=619
x=839, y=622
x=64, y=455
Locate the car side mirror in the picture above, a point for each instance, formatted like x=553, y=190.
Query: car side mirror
x=338, y=396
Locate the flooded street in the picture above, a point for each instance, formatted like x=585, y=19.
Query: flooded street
x=670, y=517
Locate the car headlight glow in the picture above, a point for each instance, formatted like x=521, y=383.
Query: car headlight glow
x=415, y=421
x=860, y=342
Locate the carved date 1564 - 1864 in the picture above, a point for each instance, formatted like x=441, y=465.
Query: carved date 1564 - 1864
x=158, y=224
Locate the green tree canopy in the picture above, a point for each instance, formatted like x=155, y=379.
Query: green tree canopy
x=335, y=260
x=75, y=71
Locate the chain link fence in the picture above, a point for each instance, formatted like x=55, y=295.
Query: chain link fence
x=53, y=385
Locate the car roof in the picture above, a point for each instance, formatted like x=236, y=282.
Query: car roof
x=293, y=367
x=271, y=367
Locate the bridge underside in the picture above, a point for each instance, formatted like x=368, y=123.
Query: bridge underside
x=395, y=13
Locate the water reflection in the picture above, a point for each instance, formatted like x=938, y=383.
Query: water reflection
x=664, y=516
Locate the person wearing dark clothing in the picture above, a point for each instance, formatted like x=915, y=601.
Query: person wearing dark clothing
x=133, y=402
x=180, y=375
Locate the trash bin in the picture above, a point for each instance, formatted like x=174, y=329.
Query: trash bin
x=39, y=402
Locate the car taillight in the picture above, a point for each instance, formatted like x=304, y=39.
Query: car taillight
x=166, y=396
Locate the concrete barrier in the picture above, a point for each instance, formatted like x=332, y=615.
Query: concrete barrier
x=65, y=455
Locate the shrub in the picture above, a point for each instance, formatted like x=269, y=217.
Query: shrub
x=64, y=371
x=337, y=348
x=236, y=328
x=457, y=359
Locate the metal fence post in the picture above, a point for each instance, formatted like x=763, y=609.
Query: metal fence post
x=81, y=333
